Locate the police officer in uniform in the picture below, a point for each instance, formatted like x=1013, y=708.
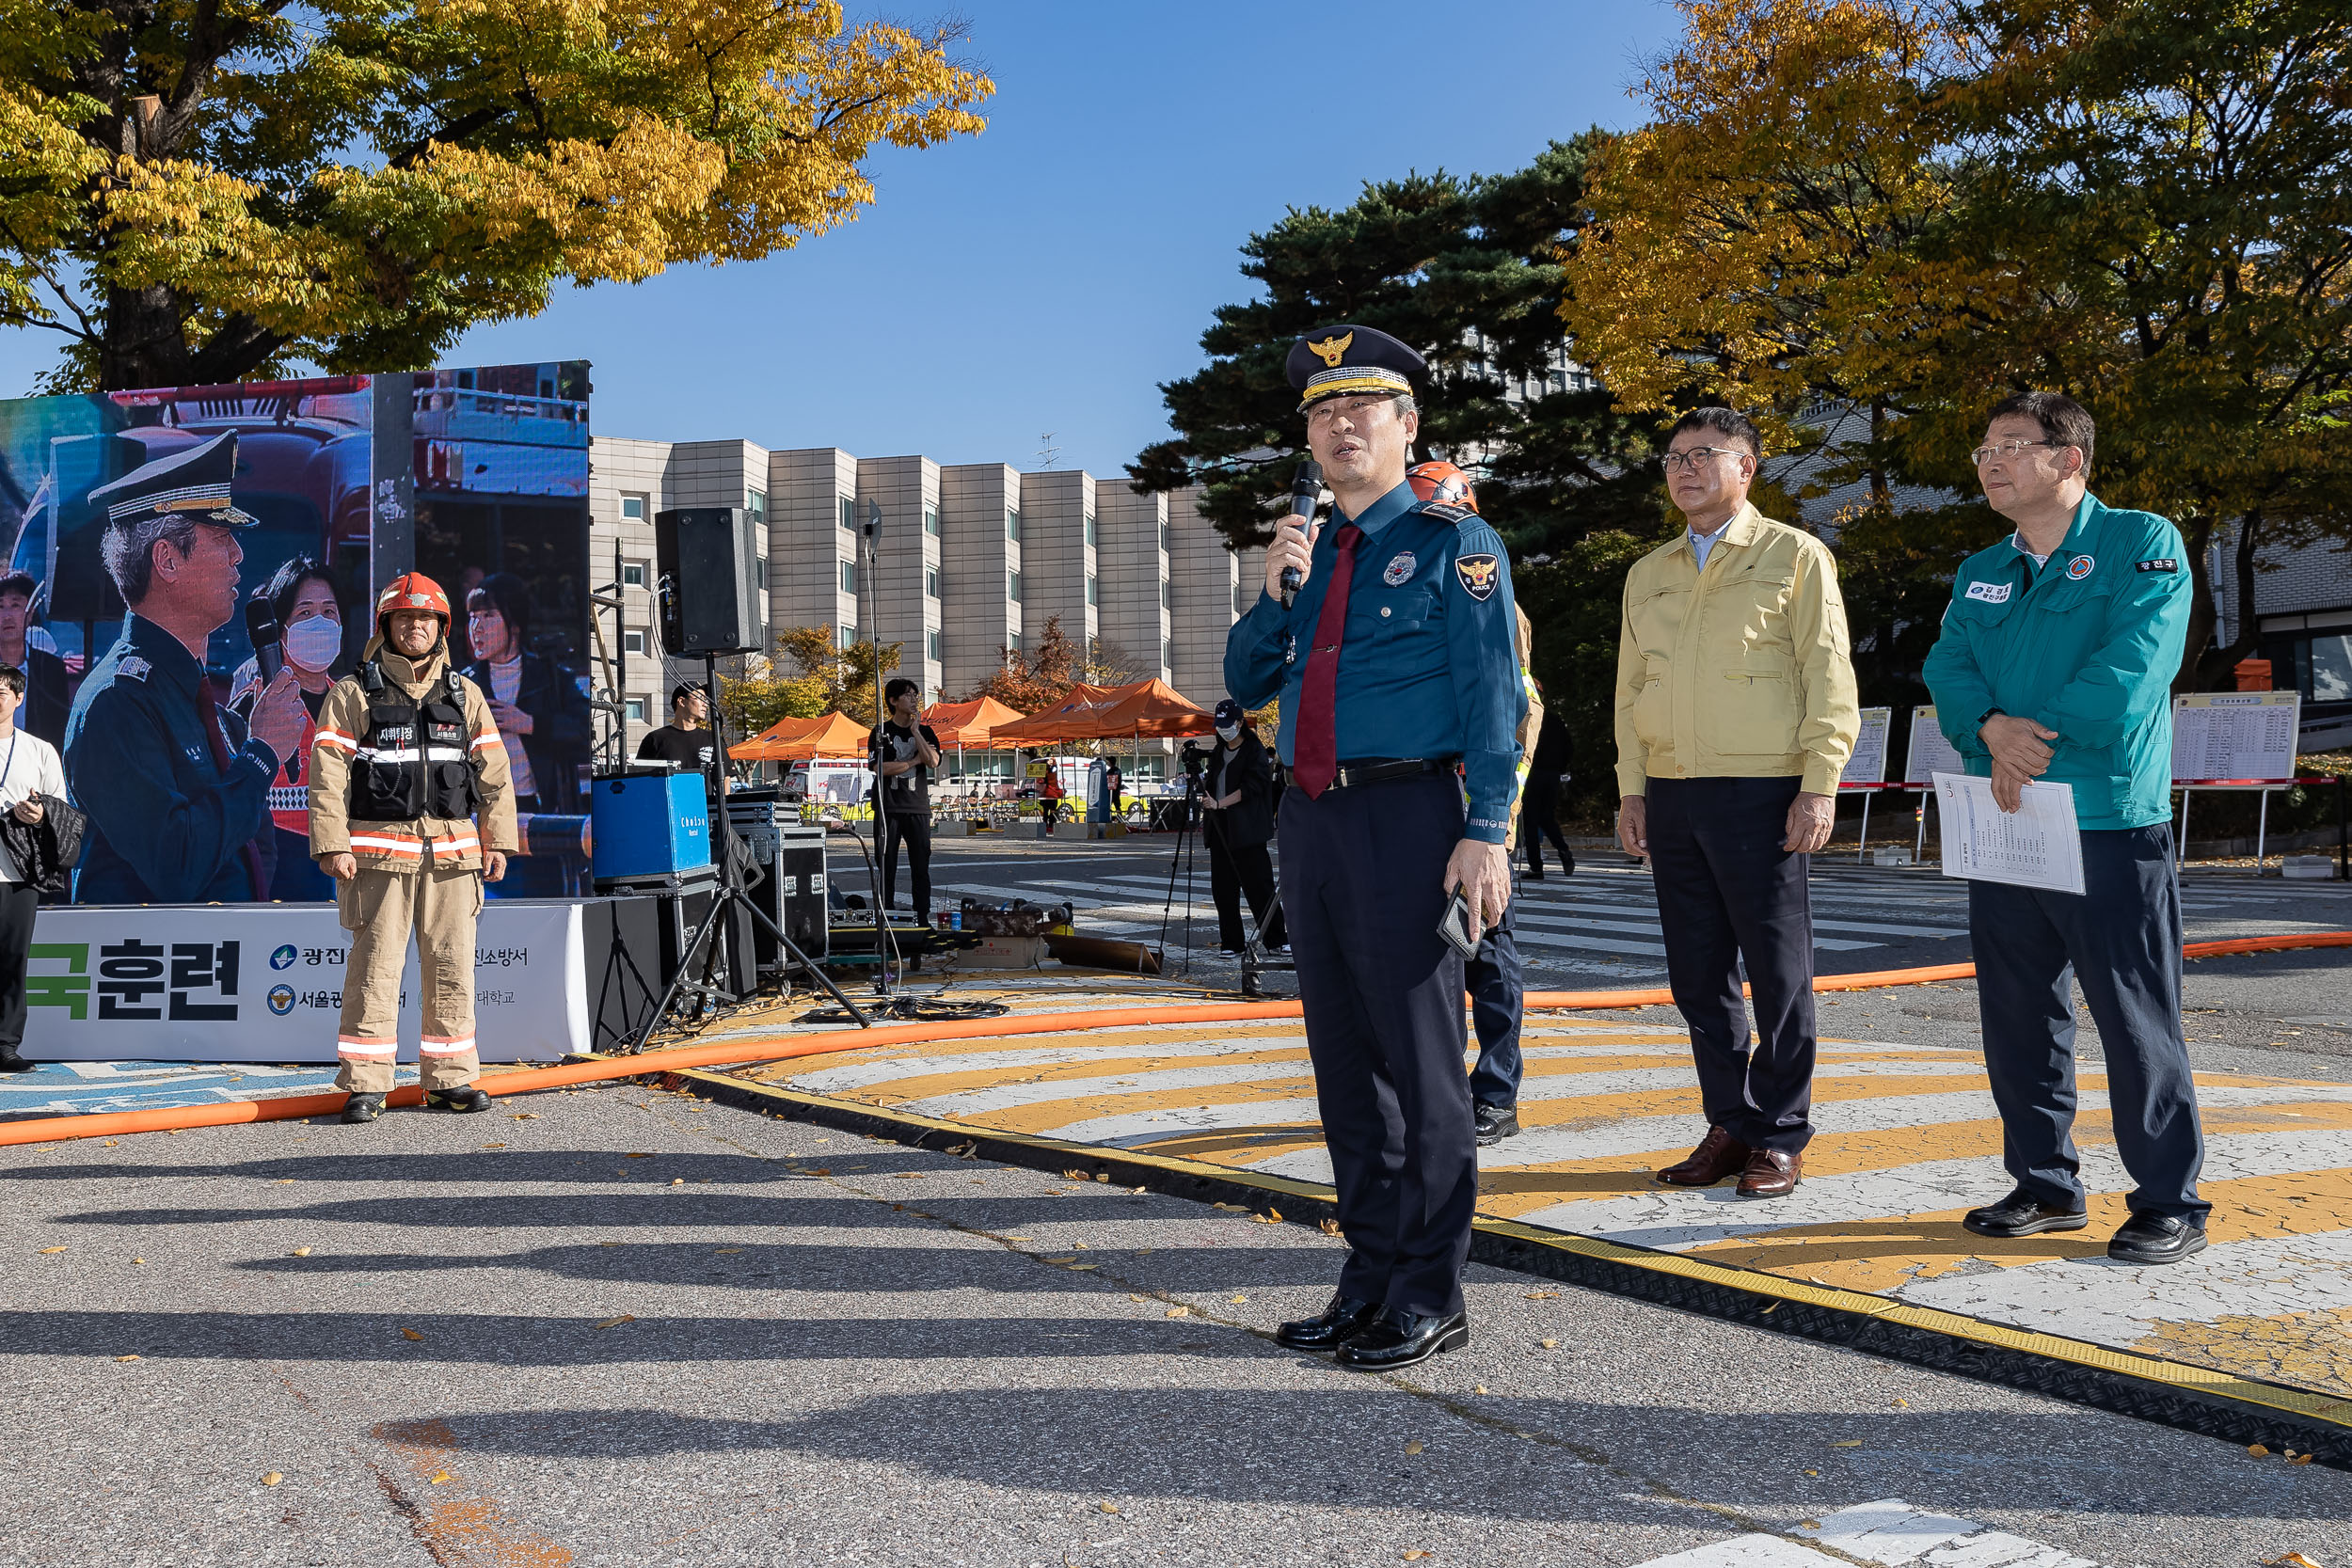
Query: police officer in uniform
x=177, y=787
x=1395, y=668
x=411, y=811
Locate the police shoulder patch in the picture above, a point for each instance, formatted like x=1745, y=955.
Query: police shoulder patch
x=1479, y=575
x=2162, y=564
x=132, y=668
x=1448, y=512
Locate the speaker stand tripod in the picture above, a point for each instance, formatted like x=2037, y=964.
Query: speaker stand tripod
x=730, y=894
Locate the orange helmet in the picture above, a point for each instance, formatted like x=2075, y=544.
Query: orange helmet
x=1441, y=481
x=413, y=591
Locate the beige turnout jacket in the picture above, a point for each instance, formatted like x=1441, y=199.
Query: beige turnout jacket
x=342, y=731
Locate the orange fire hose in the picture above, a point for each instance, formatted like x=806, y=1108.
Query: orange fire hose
x=297, y=1107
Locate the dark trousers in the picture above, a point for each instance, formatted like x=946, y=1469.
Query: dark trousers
x=1238, y=870
x=911, y=827
x=2121, y=937
x=1727, y=892
x=1496, y=990
x=1539, y=819
x=17, y=903
x=1363, y=875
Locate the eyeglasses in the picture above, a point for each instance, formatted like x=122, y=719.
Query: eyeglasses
x=2005, y=451
x=1678, y=461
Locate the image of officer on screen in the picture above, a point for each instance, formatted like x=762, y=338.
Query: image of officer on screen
x=177, y=789
x=541, y=715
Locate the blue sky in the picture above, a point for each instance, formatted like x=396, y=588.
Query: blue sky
x=1048, y=274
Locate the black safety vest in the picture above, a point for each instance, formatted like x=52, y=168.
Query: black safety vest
x=417, y=758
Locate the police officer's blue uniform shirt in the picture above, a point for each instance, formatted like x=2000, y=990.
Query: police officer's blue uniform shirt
x=1428, y=666
x=165, y=825
x=2086, y=644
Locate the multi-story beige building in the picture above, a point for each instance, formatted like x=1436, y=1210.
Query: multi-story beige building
x=968, y=560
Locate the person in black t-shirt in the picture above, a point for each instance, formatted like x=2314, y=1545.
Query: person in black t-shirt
x=687, y=741
x=903, y=752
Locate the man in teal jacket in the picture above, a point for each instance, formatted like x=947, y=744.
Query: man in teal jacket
x=2055, y=663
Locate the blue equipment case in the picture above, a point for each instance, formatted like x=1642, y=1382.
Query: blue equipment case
x=649, y=824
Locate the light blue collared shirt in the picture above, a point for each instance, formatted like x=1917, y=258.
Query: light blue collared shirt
x=1702, y=543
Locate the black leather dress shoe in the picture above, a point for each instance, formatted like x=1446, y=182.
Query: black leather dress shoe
x=1496, y=1123
x=2021, y=1213
x=1399, y=1339
x=465, y=1099
x=12, y=1062
x=1343, y=1317
x=363, y=1107
x=2156, y=1239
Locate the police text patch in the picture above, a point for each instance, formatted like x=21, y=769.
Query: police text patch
x=1991, y=593
x=1479, y=575
x=2162, y=564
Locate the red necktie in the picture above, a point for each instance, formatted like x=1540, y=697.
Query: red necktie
x=208, y=709
x=1316, y=749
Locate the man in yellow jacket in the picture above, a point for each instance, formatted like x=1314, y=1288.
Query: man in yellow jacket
x=1736, y=712
x=411, y=812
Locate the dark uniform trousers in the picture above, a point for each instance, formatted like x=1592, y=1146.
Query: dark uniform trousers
x=1728, y=891
x=2121, y=937
x=1362, y=884
x=1236, y=870
x=1496, y=989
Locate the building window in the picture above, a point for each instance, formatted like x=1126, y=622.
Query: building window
x=932, y=643
x=759, y=564
x=1168, y=653
x=849, y=513
x=1012, y=586
x=1012, y=525
x=634, y=710
x=632, y=509
x=1237, y=598
x=849, y=576
x=755, y=503
x=1089, y=520
x=930, y=582
x=1012, y=643
x=1164, y=540
x=930, y=521
x=632, y=573
x=849, y=636
x=1167, y=594
x=1090, y=599
x=632, y=641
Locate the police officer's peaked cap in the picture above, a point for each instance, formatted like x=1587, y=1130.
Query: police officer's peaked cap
x=1343, y=360
x=192, y=483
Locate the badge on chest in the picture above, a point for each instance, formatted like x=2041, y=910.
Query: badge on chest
x=1400, y=570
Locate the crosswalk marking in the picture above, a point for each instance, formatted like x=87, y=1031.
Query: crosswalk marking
x=1889, y=1531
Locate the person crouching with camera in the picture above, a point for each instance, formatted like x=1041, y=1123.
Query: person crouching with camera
x=1237, y=821
x=411, y=812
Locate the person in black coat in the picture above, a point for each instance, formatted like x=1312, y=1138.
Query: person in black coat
x=1539, y=811
x=1237, y=798
x=542, y=714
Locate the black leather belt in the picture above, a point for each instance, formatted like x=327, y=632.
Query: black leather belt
x=1364, y=770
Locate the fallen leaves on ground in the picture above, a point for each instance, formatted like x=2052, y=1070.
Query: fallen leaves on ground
x=910, y=1176
x=1132, y=1296
x=1180, y=1311
x=1548, y=1344
x=439, y=1477
x=722, y=1252
x=1329, y=1227
x=412, y=1333
x=1073, y=1175
x=48, y=1249
x=1070, y=1259
x=1417, y=1556
x=817, y=1170
x=1272, y=1216
x=1235, y=1301
x=1229, y=1208
x=1478, y=1388
x=301, y=1252
x=1413, y=1446
x=1543, y=1295
x=524, y=1115
x=2293, y=1560
x=272, y=1478
x=138, y=1260
x=616, y=1323
x=675, y=1180
x=2257, y=1449
x=1108, y=1508
x=636, y=1156
x=1849, y=1443
x=126, y=1358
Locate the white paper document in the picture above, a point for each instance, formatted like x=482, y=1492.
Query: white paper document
x=2037, y=844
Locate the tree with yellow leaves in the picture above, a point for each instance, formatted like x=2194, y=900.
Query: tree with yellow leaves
x=197, y=191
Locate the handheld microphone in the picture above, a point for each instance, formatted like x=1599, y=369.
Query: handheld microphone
x=1306, y=490
x=269, y=650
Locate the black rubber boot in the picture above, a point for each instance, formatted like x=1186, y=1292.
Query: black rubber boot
x=363, y=1107
x=464, y=1101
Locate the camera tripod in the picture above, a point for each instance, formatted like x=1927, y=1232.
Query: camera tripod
x=730, y=894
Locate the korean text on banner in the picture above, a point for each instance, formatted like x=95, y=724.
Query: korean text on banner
x=2234, y=735
x=2037, y=846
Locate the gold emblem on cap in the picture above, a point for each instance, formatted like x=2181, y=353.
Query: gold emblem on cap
x=1333, y=350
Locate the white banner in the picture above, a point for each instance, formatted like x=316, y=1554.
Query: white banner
x=265, y=983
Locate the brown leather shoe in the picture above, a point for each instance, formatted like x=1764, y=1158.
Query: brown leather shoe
x=1771, y=1174
x=1718, y=1155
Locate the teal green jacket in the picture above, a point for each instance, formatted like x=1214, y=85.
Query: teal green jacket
x=2087, y=646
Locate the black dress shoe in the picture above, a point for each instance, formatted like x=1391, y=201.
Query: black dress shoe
x=464, y=1099
x=2156, y=1239
x=1496, y=1123
x=12, y=1062
x=2021, y=1213
x=1395, y=1341
x=1342, y=1319
x=363, y=1107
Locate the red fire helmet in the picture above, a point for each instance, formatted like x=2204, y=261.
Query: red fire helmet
x=412, y=590
x=1441, y=481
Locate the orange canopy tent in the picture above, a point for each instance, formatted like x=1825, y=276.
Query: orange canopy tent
x=1146, y=710
x=836, y=735
x=969, y=723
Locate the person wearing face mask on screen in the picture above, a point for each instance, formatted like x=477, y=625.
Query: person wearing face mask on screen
x=301, y=597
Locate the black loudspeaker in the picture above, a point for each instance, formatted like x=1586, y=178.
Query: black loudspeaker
x=625, y=974
x=707, y=590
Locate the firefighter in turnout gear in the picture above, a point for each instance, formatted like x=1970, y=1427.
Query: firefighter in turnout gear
x=410, y=813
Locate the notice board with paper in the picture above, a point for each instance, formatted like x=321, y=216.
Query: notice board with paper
x=1927, y=754
x=1868, y=763
x=2234, y=735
